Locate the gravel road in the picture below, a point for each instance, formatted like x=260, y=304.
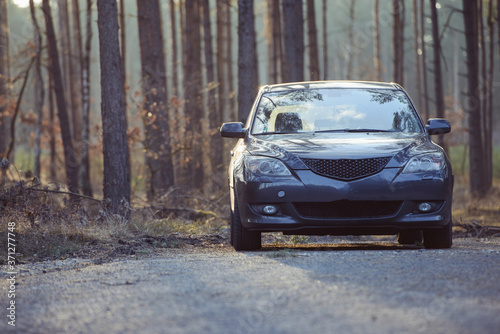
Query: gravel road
x=343, y=288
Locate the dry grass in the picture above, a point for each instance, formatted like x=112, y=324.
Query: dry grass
x=485, y=211
x=52, y=225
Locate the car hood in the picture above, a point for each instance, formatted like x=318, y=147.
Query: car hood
x=291, y=147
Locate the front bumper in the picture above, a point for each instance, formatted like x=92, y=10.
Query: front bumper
x=307, y=187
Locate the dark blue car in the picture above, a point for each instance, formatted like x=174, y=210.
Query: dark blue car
x=338, y=158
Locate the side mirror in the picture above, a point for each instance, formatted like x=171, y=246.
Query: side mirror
x=437, y=126
x=233, y=130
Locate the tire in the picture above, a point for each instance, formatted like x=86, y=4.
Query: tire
x=241, y=238
x=410, y=237
x=439, y=238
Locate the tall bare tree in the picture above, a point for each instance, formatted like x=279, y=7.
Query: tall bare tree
x=85, y=167
x=222, y=59
x=192, y=92
x=438, y=77
x=67, y=70
x=274, y=41
x=472, y=103
x=424, y=60
x=175, y=65
x=123, y=46
x=70, y=159
x=398, y=40
x=40, y=91
x=294, y=40
x=230, y=72
x=4, y=65
x=489, y=102
x=313, y=41
x=325, y=41
x=76, y=73
x=116, y=183
x=348, y=54
x=377, y=58
x=417, y=51
x=52, y=131
x=247, y=58
x=214, y=120
x=154, y=85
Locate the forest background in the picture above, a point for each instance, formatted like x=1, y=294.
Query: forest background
x=186, y=66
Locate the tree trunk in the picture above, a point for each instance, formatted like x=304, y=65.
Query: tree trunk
x=275, y=42
x=66, y=64
x=230, y=74
x=4, y=78
x=313, y=41
x=489, y=110
x=177, y=125
x=76, y=74
x=398, y=40
x=85, y=168
x=325, y=42
x=349, y=54
x=70, y=158
x=472, y=103
x=194, y=100
x=157, y=142
x=222, y=61
x=294, y=40
x=438, y=78
x=247, y=58
x=116, y=183
x=416, y=46
x=377, y=59
x=40, y=92
x=123, y=47
x=52, y=142
x=424, y=61
x=215, y=154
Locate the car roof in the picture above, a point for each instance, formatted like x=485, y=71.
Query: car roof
x=331, y=84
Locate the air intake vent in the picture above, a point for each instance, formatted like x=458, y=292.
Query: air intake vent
x=348, y=209
x=347, y=169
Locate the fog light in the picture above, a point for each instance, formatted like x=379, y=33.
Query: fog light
x=270, y=209
x=425, y=207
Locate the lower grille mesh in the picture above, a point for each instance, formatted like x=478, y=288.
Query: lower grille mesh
x=346, y=169
x=348, y=209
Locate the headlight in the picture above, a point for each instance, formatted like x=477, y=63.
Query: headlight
x=264, y=166
x=430, y=162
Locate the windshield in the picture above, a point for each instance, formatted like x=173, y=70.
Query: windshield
x=334, y=109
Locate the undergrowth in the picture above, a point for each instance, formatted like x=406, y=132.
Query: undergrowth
x=50, y=222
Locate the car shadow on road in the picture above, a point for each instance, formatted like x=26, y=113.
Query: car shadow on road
x=357, y=246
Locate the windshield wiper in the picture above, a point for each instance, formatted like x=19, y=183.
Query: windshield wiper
x=354, y=130
x=333, y=130
x=367, y=130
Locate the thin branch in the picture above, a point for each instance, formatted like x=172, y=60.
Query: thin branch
x=66, y=193
x=16, y=111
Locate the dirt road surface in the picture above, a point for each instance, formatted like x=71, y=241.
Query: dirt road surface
x=342, y=288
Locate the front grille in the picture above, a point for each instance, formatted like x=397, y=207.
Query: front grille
x=348, y=209
x=346, y=169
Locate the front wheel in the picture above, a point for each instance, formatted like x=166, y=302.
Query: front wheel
x=241, y=238
x=439, y=238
